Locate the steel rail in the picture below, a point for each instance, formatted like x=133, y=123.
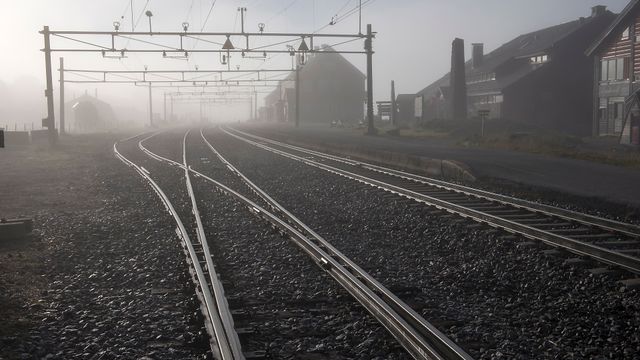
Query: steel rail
x=598, y=253
x=208, y=305
x=230, y=334
x=445, y=348
x=607, y=224
x=354, y=280
x=591, y=220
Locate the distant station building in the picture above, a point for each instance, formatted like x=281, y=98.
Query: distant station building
x=617, y=78
x=88, y=114
x=331, y=89
x=543, y=78
x=405, y=116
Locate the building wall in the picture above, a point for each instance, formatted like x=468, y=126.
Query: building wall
x=331, y=89
x=608, y=118
x=559, y=95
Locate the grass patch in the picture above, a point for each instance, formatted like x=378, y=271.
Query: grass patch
x=511, y=135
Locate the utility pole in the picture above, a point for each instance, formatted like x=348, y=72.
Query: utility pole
x=255, y=94
x=368, y=46
x=297, y=95
x=394, y=106
x=50, y=120
x=150, y=106
x=360, y=17
x=242, y=11
x=62, y=119
x=149, y=15
x=171, y=108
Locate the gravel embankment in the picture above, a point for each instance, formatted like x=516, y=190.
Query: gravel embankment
x=118, y=286
x=496, y=298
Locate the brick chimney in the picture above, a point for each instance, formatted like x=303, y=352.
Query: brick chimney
x=458, y=81
x=478, y=55
x=598, y=10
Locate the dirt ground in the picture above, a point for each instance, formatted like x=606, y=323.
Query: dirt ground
x=42, y=183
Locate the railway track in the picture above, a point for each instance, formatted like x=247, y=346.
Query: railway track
x=218, y=319
x=420, y=339
x=607, y=241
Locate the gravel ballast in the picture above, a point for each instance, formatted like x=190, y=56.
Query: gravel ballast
x=115, y=281
x=289, y=304
x=496, y=297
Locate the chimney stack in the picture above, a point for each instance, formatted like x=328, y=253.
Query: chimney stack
x=478, y=55
x=598, y=10
x=458, y=81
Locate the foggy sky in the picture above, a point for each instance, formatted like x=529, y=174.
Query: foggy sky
x=412, y=45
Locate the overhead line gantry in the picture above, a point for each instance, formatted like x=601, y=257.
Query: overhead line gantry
x=111, y=44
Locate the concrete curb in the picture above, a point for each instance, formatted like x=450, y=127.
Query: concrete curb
x=447, y=169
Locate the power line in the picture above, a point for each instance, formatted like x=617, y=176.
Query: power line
x=348, y=14
x=209, y=14
x=141, y=13
x=186, y=19
x=281, y=11
x=343, y=7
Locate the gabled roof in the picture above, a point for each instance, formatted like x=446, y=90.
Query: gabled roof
x=522, y=47
x=613, y=29
x=315, y=57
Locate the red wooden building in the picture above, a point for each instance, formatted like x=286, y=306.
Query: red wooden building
x=617, y=78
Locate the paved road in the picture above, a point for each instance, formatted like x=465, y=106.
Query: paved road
x=576, y=177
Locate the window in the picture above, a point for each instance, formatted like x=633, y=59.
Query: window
x=615, y=69
x=540, y=59
x=481, y=77
x=620, y=68
x=612, y=70
x=625, y=33
x=488, y=99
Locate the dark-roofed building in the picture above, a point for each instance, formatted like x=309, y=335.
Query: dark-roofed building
x=331, y=89
x=542, y=78
x=617, y=78
x=88, y=114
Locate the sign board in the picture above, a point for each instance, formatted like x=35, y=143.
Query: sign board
x=484, y=114
x=418, y=107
